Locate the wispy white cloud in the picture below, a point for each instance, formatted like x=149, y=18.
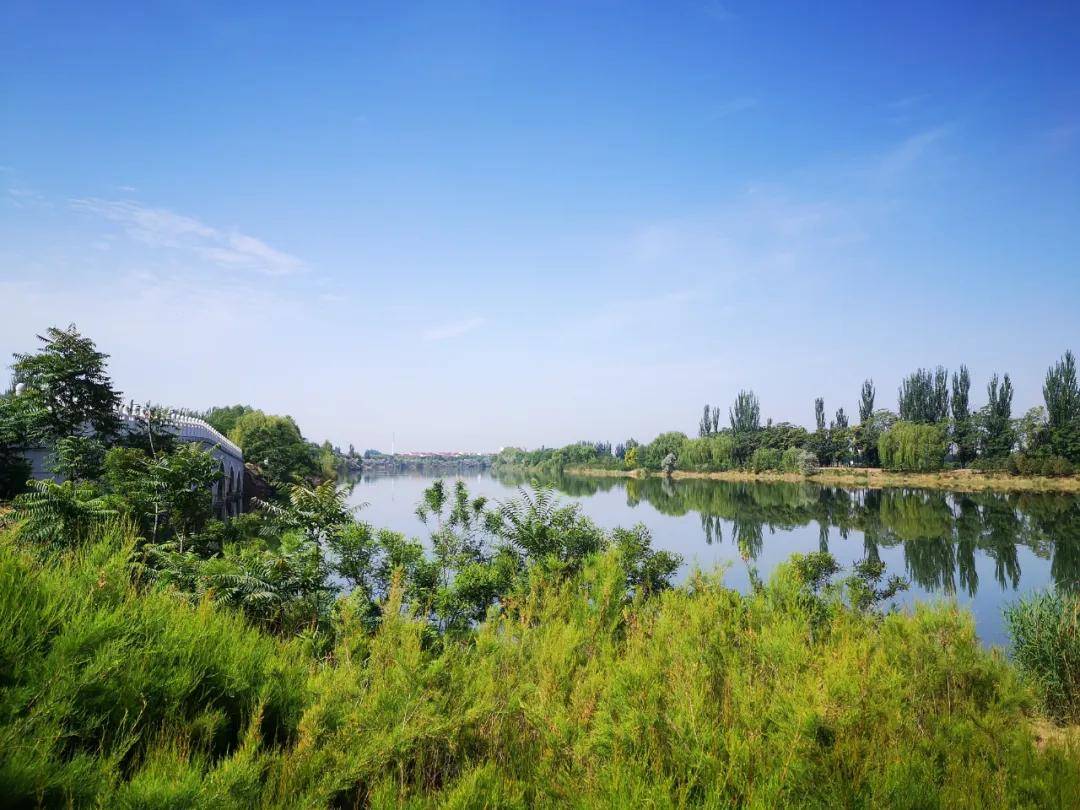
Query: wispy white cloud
x=160, y=227
x=625, y=312
x=904, y=156
x=453, y=329
x=759, y=231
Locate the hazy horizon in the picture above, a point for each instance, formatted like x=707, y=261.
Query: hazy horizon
x=512, y=224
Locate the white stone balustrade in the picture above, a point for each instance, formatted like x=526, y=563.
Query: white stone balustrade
x=183, y=426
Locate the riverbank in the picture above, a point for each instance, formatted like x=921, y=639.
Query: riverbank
x=873, y=478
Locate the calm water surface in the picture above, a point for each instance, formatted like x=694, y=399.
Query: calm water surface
x=982, y=549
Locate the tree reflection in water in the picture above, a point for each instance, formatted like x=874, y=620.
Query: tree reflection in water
x=940, y=532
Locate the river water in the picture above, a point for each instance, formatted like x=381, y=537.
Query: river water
x=982, y=549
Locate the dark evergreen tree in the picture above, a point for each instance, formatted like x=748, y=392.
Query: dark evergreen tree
x=819, y=414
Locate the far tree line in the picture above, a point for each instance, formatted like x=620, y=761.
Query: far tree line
x=935, y=425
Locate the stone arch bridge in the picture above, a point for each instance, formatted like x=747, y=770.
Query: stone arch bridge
x=229, y=489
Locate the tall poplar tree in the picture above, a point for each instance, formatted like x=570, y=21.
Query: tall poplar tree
x=963, y=431
x=998, y=434
x=1062, y=396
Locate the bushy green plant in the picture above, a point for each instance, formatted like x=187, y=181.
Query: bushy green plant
x=1047, y=465
x=653, y=454
x=765, y=459
x=799, y=460
x=60, y=515
x=1045, y=633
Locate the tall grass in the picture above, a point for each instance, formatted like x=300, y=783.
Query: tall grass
x=97, y=678
x=570, y=694
x=1045, y=632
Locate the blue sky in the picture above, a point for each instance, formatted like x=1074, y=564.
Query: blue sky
x=478, y=224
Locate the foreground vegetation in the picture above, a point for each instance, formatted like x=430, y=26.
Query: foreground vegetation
x=576, y=689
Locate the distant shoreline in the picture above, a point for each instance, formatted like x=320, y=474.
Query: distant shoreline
x=873, y=478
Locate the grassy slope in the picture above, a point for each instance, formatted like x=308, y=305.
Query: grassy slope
x=957, y=480
x=569, y=697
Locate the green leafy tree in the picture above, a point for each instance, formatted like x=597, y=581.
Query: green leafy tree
x=654, y=453
x=867, y=433
x=224, y=418
x=80, y=458
x=819, y=414
x=963, y=430
x=998, y=437
x=913, y=447
x=745, y=418
x=319, y=512
x=924, y=396
x=866, y=401
x=1061, y=392
x=68, y=384
x=169, y=494
x=705, y=426
x=745, y=413
x=1030, y=429
x=276, y=445
x=841, y=420
x=16, y=420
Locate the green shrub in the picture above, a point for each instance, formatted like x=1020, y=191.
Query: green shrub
x=911, y=447
x=764, y=459
x=799, y=460
x=1045, y=633
x=1032, y=465
x=653, y=454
